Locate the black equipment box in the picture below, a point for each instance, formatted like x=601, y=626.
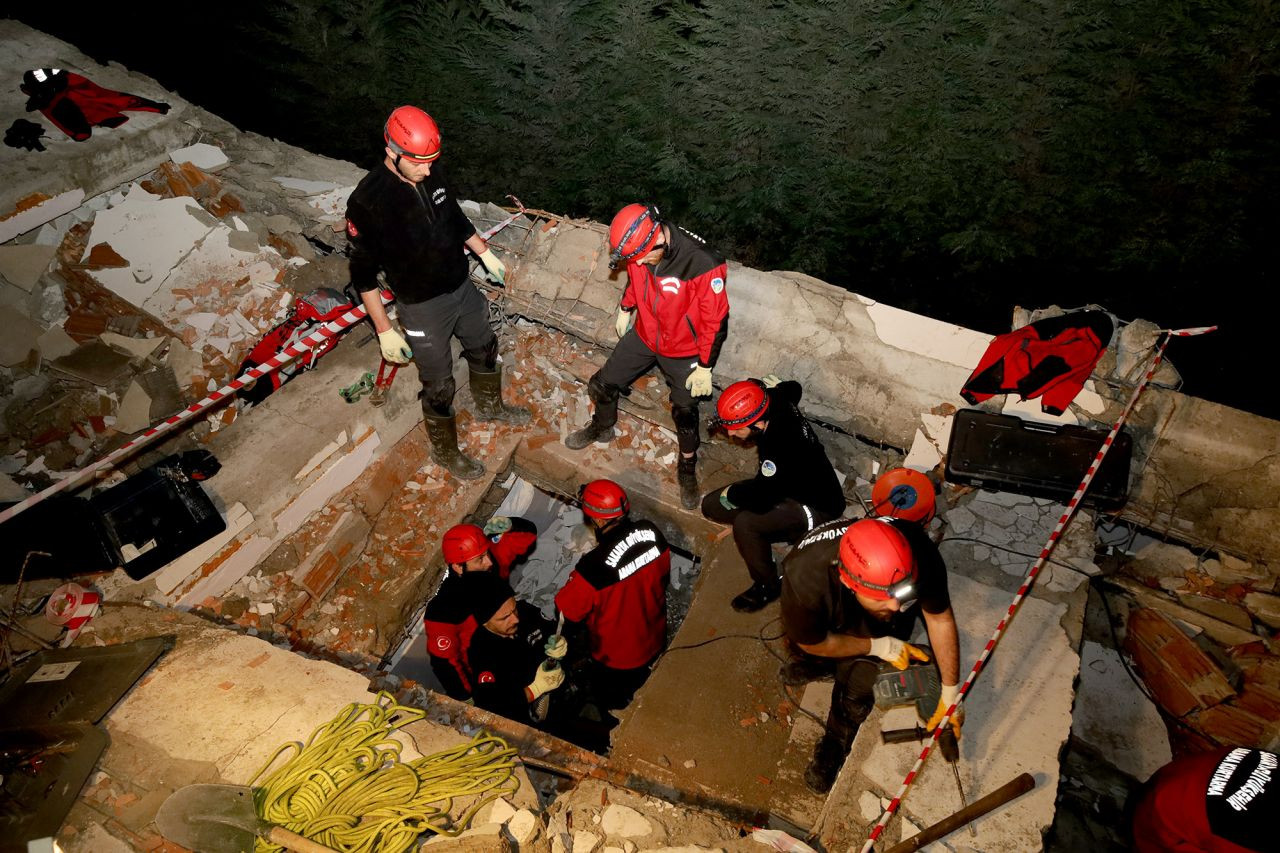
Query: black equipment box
x=1007, y=454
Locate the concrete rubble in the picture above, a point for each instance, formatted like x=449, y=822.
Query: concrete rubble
x=139, y=267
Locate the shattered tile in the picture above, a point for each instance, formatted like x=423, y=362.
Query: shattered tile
x=134, y=413
x=95, y=362
x=55, y=343
x=137, y=347
x=202, y=155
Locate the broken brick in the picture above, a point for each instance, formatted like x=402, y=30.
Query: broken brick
x=1181, y=677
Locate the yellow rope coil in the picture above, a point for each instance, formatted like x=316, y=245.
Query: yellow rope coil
x=347, y=788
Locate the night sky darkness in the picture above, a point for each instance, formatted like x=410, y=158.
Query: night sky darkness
x=214, y=64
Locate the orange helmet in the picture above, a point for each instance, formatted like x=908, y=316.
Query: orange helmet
x=904, y=493
x=412, y=134
x=603, y=499
x=463, y=542
x=742, y=404
x=633, y=232
x=876, y=560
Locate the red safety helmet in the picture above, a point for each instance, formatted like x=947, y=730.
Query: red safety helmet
x=463, y=542
x=603, y=499
x=904, y=493
x=412, y=134
x=742, y=404
x=876, y=560
x=633, y=232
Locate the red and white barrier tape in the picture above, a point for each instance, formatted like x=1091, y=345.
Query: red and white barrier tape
x=1030, y=577
x=71, y=606
x=306, y=344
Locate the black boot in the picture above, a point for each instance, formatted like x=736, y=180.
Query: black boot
x=828, y=758
x=757, y=596
x=593, y=431
x=687, y=475
x=486, y=390
x=443, y=432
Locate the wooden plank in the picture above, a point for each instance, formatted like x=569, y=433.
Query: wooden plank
x=1181, y=676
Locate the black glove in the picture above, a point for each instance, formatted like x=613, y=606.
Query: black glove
x=24, y=134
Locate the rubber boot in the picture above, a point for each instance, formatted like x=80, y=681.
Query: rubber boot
x=687, y=475
x=828, y=758
x=443, y=432
x=593, y=431
x=486, y=390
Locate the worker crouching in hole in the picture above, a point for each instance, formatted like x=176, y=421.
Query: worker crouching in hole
x=616, y=598
x=849, y=596
x=515, y=656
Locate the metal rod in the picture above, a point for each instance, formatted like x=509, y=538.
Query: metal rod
x=1010, y=791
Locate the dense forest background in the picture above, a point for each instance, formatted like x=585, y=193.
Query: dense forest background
x=952, y=157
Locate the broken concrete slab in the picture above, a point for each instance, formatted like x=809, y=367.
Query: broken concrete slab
x=55, y=343
x=20, y=340
x=134, y=413
x=202, y=155
x=1114, y=716
x=139, y=348
x=95, y=362
x=24, y=264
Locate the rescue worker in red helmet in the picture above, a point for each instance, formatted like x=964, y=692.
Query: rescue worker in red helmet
x=852, y=592
x=795, y=487
x=674, y=313
x=403, y=220
x=1221, y=801
x=448, y=620
x=618, y=594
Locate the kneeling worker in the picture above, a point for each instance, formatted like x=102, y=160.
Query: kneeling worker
x=448, y=620
x=618, y=591
x=794, y=490
x=848, y=590
x=508, y=648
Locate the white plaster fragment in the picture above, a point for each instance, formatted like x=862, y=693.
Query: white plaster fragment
x=340, y=475
x=45, y=211
x=202, y=155
x=925, y=335
x=924, y=455
x=624, y=822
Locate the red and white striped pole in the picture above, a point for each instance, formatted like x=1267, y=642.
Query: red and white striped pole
x=328, y=330
x=1030, y=578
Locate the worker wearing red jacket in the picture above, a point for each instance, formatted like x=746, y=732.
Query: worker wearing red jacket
x=448, y=620
x=1224, y=801
x=674, y=313
x=618, y=593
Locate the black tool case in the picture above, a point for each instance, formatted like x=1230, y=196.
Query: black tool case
x=1004, y=453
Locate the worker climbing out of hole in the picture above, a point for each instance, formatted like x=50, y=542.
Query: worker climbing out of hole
x=617, y=595
x=795, y=488
x=515, y=655
x=403, y=220
x=850, y=591
x=448, y=620
x=674, y=313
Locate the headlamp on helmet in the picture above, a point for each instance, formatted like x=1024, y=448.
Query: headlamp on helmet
x=633, y=232
x=876, y=561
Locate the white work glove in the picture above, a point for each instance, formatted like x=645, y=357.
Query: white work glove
x=623, y=322
x=394, y=348
x=896, y=652
x=771, y=381
x=497, y=269
x=950, y=693
x=497, y=526
x=557, y=647
x=546, y=680
x=699, y=381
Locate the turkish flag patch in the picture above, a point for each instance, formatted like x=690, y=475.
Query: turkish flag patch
x=486, y=678
x=351, y=229
x=443, y=644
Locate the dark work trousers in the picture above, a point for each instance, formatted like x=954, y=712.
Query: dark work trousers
x=851, y=699
x=613, y=689
x=429, y=326
x=755, y=532
x=630, y=360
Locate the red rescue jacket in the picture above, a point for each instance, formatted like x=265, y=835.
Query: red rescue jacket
x=682, y=304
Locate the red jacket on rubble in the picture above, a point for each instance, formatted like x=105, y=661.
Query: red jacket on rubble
x=448, y=619
x=682, y=306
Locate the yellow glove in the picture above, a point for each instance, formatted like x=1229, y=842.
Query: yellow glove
x=557, y=647
x=896, y=652
x=950, y=692
x=699, y=381
x=545, y=681
x=393, y=346
x=497, y=269
x=623, y=322
x=771, y=381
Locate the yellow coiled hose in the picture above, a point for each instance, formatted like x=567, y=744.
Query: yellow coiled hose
x=347, y=788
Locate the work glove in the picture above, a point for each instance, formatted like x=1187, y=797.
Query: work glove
x=771, y=381
x=623, y=322
x=724, y=499
x=699, y=381
x=394, y=348
x=557, y=647
x=497, y=269
x=497, y=526
x=896, y=652
x=546, y=680
x=950, y=692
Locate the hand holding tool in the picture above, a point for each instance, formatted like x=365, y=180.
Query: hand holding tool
x=394, y=348
x=895, y=652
